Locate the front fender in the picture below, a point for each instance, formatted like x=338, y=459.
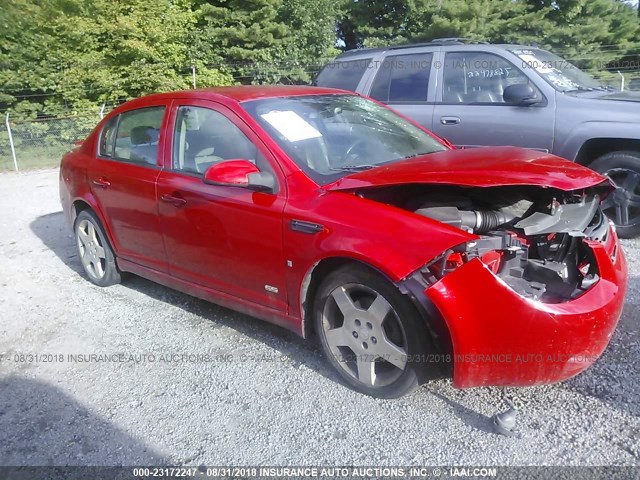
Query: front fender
x=569, y=146
x=394, y=241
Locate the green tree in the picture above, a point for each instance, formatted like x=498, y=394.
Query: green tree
x=578, y=27
x=266, y=41
x=591, y=33
x=243, y=34
x=370, y=22
x=60, y=54
x=314, y=39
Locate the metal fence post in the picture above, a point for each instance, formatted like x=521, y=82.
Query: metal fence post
x=13, y=148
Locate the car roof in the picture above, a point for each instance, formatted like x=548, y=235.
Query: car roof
x=243, y=93
x=442, y=42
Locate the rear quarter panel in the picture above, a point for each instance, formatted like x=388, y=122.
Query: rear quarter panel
x=74, y=183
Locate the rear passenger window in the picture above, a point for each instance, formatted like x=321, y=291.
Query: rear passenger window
x=107, y=136
x=344, y=75
x=138, y=135
x=403, y=78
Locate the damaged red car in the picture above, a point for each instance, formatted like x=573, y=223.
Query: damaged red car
x=331, y=215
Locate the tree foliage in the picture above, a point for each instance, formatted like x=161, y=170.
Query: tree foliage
x=266, y=41
x=578, y=28
x=60, y=54
x=57, y=55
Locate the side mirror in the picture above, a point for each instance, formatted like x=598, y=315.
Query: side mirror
x=520, y=94
x=239, y=173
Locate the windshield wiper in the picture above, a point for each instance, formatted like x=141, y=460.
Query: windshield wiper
x=416, y=155
x=579, y=89
x=352, y=168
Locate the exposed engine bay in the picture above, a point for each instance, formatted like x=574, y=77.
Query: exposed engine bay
x=530, y=237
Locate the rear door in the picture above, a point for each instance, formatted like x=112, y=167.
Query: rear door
x=405, y=83
x=470, y=110
x=224, y=238
x=123, y=179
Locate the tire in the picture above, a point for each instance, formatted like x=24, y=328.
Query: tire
x=623, y=205
x=94, y=250
x=351, y=302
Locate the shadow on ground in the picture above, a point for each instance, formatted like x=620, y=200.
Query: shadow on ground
x=53, y=231
x=598, y=382
x=41, y=425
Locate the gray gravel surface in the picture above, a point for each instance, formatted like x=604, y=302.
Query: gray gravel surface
x=264, y=396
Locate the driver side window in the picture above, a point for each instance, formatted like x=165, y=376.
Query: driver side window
x=478, y=77
x=204, y=137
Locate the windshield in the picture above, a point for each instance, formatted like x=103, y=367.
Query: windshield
x=560, y=73
x=329, y=136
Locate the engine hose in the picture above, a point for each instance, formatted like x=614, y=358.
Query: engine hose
x=488, y=220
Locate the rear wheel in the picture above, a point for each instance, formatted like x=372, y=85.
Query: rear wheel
x=371, y=333
x=623, y=205
x=94, y=251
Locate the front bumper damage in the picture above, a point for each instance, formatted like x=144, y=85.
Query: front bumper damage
x=500, y=338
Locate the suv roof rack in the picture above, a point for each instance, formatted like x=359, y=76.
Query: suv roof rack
x=436, y=42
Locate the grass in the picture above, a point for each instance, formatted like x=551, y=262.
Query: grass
x=31, y=158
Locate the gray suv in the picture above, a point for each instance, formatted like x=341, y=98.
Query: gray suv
x=484, y=94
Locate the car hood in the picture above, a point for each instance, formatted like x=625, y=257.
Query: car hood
x=623, y=96
x=477, y=167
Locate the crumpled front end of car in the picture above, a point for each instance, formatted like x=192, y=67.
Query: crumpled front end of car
x=536, y=298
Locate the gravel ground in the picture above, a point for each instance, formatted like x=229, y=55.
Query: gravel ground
x=264, y=396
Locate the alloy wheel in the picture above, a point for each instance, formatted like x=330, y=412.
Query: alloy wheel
x=92, y=253
x=623, y=204
x=365, y=335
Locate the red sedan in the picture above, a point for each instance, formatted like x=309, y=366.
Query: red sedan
x=329, y=214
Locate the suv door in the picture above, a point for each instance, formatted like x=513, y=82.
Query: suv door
x=123, y=180
x=470, y=110
x=404, y=82
x=225, y=238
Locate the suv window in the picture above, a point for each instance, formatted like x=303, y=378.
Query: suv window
x=403, y=78
x=478, y=77
x=203, y=137
x=138, y=135
x=344, y=74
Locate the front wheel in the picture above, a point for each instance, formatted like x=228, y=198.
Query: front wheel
x=96, y=255
x=371, y=334
x=623, y=205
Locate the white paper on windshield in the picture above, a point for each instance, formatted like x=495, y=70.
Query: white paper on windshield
x=291, y=125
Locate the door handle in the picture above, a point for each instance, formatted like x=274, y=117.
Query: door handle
x=174, y=199
x=102, y=182
x=450, y=120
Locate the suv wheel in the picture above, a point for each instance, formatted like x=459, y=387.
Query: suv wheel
x=623, y=205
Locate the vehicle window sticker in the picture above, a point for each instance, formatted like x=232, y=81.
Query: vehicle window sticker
x=291, y=125
x=531, y=60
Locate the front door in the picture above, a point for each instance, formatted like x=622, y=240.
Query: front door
x=225, y=238
x=471, y=111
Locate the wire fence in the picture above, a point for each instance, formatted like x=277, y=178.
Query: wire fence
x=40, y=143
